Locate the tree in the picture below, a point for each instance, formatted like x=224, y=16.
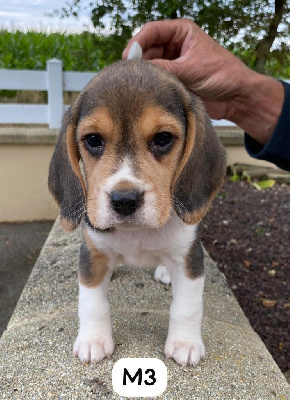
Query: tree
x=247, y=28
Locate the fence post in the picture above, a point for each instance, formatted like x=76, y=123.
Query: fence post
x=55, y=92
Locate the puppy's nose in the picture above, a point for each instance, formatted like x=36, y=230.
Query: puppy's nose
x=126, y=202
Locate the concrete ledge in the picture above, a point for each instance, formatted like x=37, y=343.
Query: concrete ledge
x=41, y=135
x=28, y=135
x=36, y=359
x=230, y=136
x=261, y=173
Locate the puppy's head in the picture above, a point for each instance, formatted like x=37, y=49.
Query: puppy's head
x=147, y=148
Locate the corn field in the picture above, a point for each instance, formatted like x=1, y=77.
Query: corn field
x=78, y=52
x=31, y=50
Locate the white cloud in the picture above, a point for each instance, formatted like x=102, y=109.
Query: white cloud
x=32, y=14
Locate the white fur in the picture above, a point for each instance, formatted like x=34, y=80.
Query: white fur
x=94, y=341
x=161, y=275
x=145, y=247
x=184, y=343
x=147, y=214
x=124, y=173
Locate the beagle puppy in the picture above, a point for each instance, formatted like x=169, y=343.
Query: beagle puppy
x=151, y=165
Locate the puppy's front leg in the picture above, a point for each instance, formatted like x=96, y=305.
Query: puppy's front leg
x=94, y=341
x=184, y=343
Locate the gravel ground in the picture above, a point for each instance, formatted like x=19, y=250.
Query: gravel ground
x=247, y=232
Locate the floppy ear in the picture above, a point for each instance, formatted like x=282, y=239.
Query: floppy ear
x=65, y=180
x=202, y=168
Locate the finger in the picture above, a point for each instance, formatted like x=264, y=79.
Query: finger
x=153, y=52
x=157, y=34
x=170, y=66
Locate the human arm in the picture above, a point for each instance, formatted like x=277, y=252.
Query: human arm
x=277, y=149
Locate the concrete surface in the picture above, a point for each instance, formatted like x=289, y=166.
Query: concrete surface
x=261, y=173
x=36, y=359
x=20, y=245
x=23, y=176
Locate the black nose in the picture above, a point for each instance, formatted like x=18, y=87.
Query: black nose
x=126, y=202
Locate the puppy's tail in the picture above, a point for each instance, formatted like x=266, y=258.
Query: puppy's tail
x=135, y=52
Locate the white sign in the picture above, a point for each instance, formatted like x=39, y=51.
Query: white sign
x=139, y=377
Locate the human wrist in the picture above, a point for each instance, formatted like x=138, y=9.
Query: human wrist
x=258, y=106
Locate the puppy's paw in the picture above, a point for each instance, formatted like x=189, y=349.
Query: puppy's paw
x=161, y=275
x=93, y=349
x=185, y=352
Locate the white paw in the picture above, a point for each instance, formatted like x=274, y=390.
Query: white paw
x=93, y=349
x=161, y=275
x=185, y=352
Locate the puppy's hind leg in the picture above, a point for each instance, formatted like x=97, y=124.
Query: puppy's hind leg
x=162, y=275
x=94, y=341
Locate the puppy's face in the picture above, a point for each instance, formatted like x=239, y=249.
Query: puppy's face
x=130, y=161
x=141, y=138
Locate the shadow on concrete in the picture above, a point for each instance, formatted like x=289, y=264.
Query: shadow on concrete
x=20, y=245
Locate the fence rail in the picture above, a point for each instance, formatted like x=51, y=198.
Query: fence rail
x=55, y=81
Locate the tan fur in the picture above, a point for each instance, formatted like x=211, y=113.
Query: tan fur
x=159, y=174
x=73, y=157
x=124, y=186
x=190, y=139
x=66, y=225
x=196, y=217
x=96, y=171
x=155, y=119
x=98, y=265
x=95, y=177
x=100, y=121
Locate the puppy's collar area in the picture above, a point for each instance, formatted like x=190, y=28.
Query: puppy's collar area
x=90, y=225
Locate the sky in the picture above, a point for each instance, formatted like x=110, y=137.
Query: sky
x=30, y=14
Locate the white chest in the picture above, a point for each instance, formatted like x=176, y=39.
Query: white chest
x=142, y=247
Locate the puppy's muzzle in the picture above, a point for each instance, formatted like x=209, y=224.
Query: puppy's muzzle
x=126, y=202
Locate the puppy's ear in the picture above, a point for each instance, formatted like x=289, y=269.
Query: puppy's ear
x=202, y=167
x=65, y=180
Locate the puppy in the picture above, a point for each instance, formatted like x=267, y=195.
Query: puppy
x=151, y=166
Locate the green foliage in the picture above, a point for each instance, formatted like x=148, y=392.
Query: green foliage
x=235, y=177
x=265, y=184
x=246, y=27
x=239, y=25
x=258, y=184
x=78, y=52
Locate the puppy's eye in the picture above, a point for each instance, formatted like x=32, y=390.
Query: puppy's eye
x=162, y=139
x=94, y=140
x=161, y=144
x=94, y=143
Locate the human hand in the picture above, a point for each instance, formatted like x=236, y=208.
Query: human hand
x=228, y=87
x=205, y=67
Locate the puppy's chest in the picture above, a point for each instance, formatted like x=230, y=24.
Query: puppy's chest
x=146, y=247
x=135, y=248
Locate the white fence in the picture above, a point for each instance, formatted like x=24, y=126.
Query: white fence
x=55, y=82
